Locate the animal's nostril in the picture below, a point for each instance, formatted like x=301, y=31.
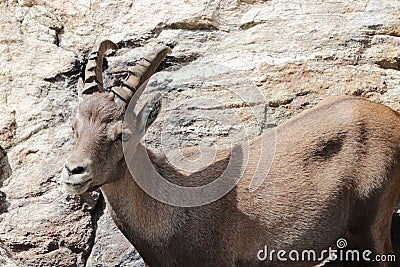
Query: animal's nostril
x=77, y=170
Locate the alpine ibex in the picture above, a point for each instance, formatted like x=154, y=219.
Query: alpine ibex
x=335, y=174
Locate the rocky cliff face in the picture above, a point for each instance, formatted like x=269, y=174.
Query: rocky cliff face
x=237, y=68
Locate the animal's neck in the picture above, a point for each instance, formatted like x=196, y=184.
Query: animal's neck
x=137, y=214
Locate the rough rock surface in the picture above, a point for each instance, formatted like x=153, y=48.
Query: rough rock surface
x=6, y=259
x=237, y=68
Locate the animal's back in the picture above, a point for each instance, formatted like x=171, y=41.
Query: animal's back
x=327, y=174
x=334, y=167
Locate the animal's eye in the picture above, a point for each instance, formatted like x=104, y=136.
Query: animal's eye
x=121, y=133
x=125, y=136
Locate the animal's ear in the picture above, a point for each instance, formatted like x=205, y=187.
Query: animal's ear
x=149, y=113
x=80, y=89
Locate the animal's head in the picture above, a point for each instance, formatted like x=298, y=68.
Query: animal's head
x=99, y=127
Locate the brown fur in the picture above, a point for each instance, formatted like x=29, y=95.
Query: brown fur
x=335, y=174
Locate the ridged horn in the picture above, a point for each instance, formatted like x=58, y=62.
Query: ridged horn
x=93, y=72
x=134, y=84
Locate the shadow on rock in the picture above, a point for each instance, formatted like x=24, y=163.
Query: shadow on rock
x=5, y=168
x=5, y=172
x=4, y=204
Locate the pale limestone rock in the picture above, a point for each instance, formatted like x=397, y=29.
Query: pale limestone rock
x=42, y=24
x=6, y=258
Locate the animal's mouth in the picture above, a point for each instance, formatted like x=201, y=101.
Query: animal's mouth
x=75, y=185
